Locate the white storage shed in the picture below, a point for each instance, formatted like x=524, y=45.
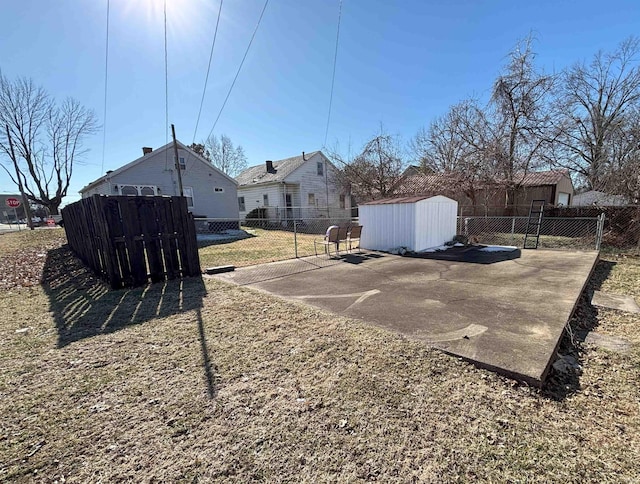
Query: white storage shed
x=416, y=223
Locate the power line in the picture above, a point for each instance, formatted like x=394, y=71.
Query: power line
x=206, y=79
x=333, y=76
x=239, y=68
x=166, y=88
x=204, y=90
x=106, y=73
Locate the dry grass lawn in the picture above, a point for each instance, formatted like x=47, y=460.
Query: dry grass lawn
x=204, y=381
x=264, y=246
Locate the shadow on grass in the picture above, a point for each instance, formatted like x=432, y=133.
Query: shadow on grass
x=207, y=240
x=560, y=385
x=83, y=306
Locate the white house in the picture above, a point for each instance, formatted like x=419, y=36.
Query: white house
x=301, y=187
x=210, y=192
x=417, y=223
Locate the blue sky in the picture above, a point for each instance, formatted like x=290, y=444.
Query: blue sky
x=400, y=63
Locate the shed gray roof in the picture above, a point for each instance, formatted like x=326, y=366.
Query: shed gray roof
x=389, y=201
x=411, y=199
x=258, y=174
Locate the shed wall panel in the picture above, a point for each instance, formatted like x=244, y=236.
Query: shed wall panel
x=435, y=222
x=387, y=226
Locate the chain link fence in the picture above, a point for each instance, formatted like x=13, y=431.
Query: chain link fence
x=254, y=241
x=295, y=241
x=577, y=233
x=621, y=230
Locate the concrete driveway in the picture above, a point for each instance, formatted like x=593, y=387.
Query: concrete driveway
x=508, y=316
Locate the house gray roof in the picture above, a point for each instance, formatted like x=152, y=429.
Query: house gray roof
x=258, y=174
x=192, y=154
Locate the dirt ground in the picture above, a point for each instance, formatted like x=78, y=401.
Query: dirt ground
x=210, y=382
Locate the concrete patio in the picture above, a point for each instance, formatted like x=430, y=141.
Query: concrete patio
x=508, y=316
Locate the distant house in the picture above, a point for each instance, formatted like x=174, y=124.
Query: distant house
x=594, y=197
x=299, y=187
x=210, y=192
x=555, y=187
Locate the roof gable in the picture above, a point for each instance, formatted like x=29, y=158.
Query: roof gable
x=169, y=146
x=258, y=175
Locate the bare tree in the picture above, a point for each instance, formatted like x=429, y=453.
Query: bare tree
x=460, y=145
x=224, y=155
x=375, y=171
x=519, y=116
x=47, y=137
x=491, y=148
x=620, y=175
x=596, y=107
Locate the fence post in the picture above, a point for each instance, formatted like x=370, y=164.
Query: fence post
x=466, y=227
x=513, y=230
x=295, y=237
x=599, y=230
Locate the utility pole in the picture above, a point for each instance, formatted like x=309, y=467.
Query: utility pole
x=25, y=201
x=175, y=149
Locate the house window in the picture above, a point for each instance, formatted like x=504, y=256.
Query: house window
x=265, y=200
x=181, y=162
x=342, y=201
x=136, y=190
x=320, y=168
x=128, y=190
x=218, y=190
x=188, y=193
x=241, y=206
x=311, y=201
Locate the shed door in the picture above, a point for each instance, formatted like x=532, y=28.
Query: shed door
x=563, y=199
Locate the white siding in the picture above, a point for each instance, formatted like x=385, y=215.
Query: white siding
x=254, y=197
x=299, y=184
x=416, y=226
x=306, y=176
x=100, y=189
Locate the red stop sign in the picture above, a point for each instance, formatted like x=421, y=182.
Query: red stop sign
x=13, y=202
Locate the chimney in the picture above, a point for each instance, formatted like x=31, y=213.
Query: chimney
x=269, y=166
x=146, y=150
x=303, y=158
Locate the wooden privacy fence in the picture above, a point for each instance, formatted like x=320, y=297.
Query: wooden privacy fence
x=130, y=241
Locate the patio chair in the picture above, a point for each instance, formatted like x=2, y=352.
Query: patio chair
x=343, y=236
x=354, y=234
x=330, y=239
